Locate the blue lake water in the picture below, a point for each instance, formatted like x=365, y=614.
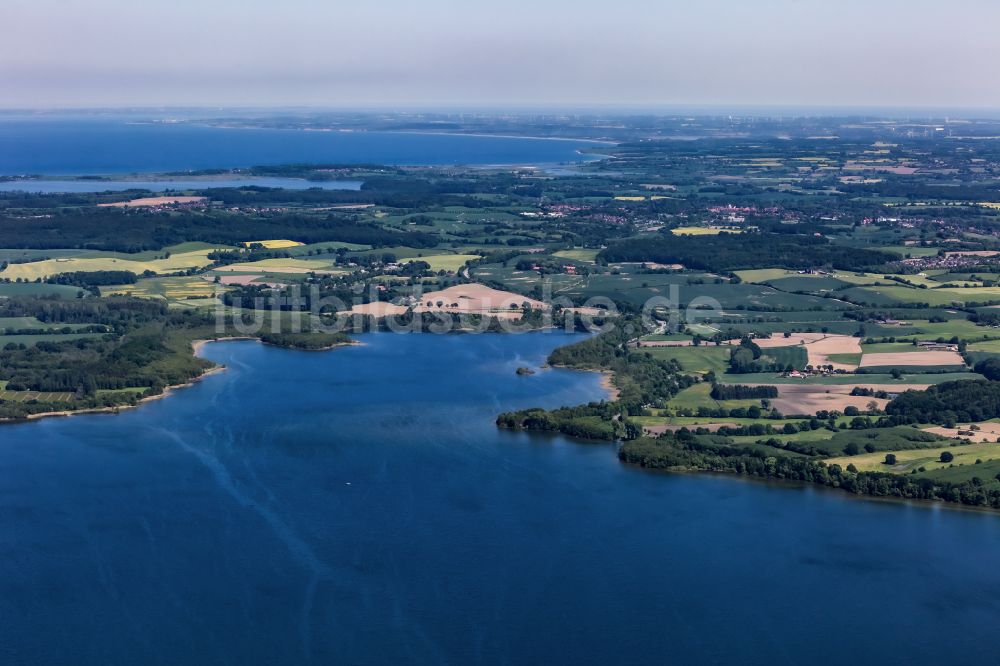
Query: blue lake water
x=64, y=146
x=82, y=186
x=360, y=507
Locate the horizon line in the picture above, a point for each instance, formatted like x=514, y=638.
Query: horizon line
x=624, y=108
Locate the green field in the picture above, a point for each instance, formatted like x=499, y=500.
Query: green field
x=177, y=290
x=20, y=323
x=699, y=395
x=38, y=289
x=991, y=347
x=886, y=295
x=288, y=265
x=175, y=262
x=41, y=396
x=847, y=359
x=447, y=262
x=907, y=461
x=699, y=359
x=865, y=379
x=581, y=255
x=795, y=356
x=810, y=283
x=46, y=337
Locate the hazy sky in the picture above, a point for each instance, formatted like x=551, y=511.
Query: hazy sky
x=513, y=52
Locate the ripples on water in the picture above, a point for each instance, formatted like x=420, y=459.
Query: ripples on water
x=359, y=506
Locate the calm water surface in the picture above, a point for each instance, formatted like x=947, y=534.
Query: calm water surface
x=101, y=146
x=359, y=507
x=84, y=186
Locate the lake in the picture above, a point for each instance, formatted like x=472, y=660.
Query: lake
x=86, y=146
x=359, y=506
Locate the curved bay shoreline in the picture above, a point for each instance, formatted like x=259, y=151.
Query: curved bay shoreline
x=196, y=347
x=606, y=383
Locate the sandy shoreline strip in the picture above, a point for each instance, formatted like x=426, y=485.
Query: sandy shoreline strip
x=608, y=384
x=114, y=410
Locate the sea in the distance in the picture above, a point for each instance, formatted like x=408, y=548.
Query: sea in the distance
x=86, y=146
x=161, y=185
x=359, y=506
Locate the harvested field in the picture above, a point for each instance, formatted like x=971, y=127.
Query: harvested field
x=378, y=309
x=591, y=312
x=278, y=244
x=806, y=400
x=154, y=201
x=476, y=299
x=176, y=262
x=911, y=359
x=241, y=280
x=973, y=253
x=987, y=431
x=819, y=346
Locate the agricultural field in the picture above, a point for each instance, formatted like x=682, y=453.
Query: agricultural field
x=17, y=256
x=930, y=459
x=696, y=231
x=874, y=380
x=446, y=262
x=177, y=290
x=175, y=262
x=801, y=265
x=988, y=347
x=41, y=396
x=288, y=266
x=39, y=290
x=986, y=431
x=274, y=244
x=913, y=359
x=325, y=248
x=821, y=348
x=30, y=340
x=698, y=395
x=701, y=359
x=891, y=295
x=581, y=255
x=21, y=323
x=806, y=400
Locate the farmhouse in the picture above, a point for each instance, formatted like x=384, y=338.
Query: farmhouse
x=938, y=346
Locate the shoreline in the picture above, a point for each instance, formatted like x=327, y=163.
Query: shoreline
x=608, y=384
x=196, y=346
x=341, y=130
x=805, y=485
x=606, y=380
x=114, y=410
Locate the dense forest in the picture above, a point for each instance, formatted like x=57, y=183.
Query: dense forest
x=144, y=347
x=948, y=403
x=730, y=252
x=128, y=231
x=738, y=392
